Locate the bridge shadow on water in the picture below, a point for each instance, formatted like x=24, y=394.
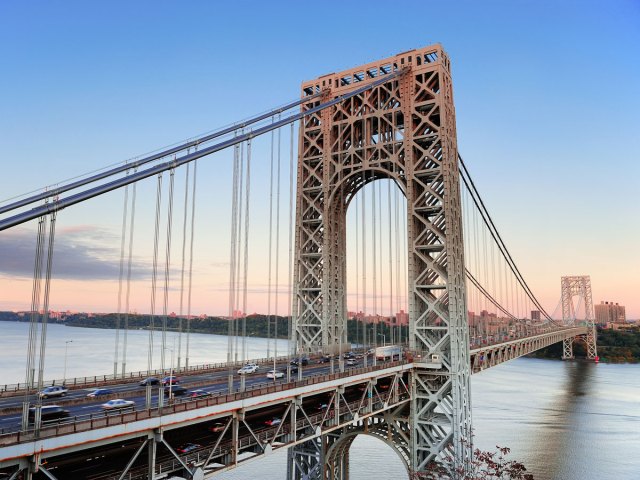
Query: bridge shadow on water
x=555, y=448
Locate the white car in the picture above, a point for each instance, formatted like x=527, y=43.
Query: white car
x=54, y=391
x=118, y=403
x=274, y=374
x=250, y=368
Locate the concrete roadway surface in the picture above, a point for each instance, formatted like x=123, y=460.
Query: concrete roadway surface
x=215, y=383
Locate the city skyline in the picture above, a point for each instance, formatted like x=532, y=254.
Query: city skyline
x=534, y=143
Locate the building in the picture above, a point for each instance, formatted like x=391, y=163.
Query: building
x=535, y=315
x=608, y=312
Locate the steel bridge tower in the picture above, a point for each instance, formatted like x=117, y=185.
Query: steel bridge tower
x=403, y=130
x=581, y=286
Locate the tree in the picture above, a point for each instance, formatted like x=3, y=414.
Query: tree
x=484, y=466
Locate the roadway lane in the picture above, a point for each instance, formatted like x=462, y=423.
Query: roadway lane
x=214, y=384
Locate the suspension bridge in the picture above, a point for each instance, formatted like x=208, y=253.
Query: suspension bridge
x=381, y=217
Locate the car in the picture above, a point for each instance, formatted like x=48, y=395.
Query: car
x=325, y=359
x=53, y=391
x=251, y=368
x=274, y=374
x=272, y=422
x=300, y=361
x=293, y=369
x=48, y=413
x=351, y=361
x=170, y=380
x=117, y=404
x=349, y=355
x=217, y=427
x=187, y=448
x=99, y=392
x=198, y=393
x=150, y=381
x=175, y=390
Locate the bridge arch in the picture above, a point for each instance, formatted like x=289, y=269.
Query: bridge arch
x=338, y=453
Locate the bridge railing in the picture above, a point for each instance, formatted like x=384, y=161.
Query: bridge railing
x=109, y=379
x=93, y=421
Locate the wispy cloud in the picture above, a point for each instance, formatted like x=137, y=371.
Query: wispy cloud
x=83, y=252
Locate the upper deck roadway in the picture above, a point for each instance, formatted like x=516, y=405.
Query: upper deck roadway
x=315, y=402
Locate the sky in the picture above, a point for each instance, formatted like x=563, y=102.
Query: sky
x=547, y=105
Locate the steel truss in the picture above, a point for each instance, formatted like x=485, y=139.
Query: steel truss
x=403, y=130
x=581, y=286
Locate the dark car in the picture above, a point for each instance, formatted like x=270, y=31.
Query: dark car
x=325, y=359
x=300, y=361
x=187, y=448
x=49, y=413
x=197, y=393
x=150, y=381
x=99, y=392
x=177, y=390
x=293, y=369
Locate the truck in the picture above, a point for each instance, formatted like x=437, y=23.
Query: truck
x=388, y=352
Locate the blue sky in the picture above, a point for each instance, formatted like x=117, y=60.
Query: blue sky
x=547, y=102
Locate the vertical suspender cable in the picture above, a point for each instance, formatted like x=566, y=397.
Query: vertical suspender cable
x=193, y=218
x=397, y=244
x=277, y=262
x=390, y=263
x=239, y=254
x=154, y=273
x=374, y=251
x=233, y=255
x=357, y=256
x=33, y=324
x=270, y=247
x=45, y=308
x=184, y=248
x=246, y=252
x=128, y=290
x=364, y=266
x=291, y=208
x=120, y=275
x=167, y=268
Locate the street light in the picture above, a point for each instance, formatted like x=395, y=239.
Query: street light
x=171, y=371
x=384, y=339
x=66, y=348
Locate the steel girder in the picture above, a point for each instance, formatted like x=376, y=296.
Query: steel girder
x=571, y=286
x=403, y=130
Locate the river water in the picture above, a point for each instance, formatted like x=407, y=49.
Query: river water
x=563, y=420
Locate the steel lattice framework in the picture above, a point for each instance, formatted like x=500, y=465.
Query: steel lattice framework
x=403, y=130
x=571, y=286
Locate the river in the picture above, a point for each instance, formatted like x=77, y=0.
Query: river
x=563, y=420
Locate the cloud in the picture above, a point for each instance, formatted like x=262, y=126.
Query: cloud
x=83, y=252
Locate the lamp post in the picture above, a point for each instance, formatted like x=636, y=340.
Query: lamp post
x=384, y=338
x=66, y=348
x=171, y=382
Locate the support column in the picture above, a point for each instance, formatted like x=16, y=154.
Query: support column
x=305, y=460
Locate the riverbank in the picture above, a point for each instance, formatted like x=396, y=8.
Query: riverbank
x=255, y=325
x=614, y=346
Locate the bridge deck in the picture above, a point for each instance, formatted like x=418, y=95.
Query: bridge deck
x=298, y=423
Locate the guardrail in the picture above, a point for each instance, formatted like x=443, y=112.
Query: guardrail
x=93, y=421
x=104, y=380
